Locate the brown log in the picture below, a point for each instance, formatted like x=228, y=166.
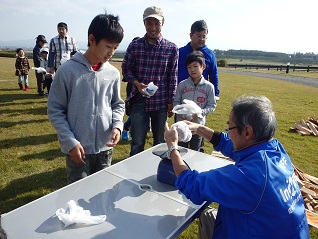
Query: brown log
x=300, y=127
x=313, y=129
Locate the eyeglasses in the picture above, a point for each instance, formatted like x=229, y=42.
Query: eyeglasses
x=203, y=37
x=228, y=129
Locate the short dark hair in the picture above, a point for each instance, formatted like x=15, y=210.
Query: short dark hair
x=199, y=26
x=41, y=38
x=19, y=49
x=195, y=56
x=106, y=26
x=62, y=24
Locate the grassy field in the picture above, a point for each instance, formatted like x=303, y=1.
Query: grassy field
x=31, y=164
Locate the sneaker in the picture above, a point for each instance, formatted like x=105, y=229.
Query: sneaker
x=20, y=86
x=217, y=98
x=26, y=88
x=125, y=135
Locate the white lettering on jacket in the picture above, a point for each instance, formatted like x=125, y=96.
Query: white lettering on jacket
x=291, y=192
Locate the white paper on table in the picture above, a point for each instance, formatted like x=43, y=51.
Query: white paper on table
x=76, y=214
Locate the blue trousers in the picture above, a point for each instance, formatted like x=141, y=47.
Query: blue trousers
x=140, y=124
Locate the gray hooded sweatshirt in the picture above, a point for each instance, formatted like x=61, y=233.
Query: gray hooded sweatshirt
x=84, y=106
x=202, y=94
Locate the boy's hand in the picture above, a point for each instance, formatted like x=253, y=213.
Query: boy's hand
x=115, y=138
x=170, y=113
x=194, y=116
x=77, y=154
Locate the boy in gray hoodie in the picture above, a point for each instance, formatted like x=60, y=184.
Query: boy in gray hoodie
x=199, y=90
x=84, y=105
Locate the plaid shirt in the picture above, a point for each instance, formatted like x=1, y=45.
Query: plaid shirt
x=153, y=63
x=58, y=47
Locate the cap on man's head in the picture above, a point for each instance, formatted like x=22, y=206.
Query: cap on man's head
x=44, y=49
x=41, y=38
x=62, y=24
x=154, y=12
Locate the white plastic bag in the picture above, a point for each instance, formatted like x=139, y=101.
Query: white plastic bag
x=76, y=214
x=188, y=107
x=39, y=69
x=184, y=132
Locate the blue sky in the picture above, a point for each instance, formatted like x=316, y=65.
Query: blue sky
x=267, y=25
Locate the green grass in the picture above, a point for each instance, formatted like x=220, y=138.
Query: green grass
x=31, y=164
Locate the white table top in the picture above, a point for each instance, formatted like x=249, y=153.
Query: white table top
x=136, y=204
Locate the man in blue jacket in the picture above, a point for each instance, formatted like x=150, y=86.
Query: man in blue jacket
x=258, y=196
x=198, y=36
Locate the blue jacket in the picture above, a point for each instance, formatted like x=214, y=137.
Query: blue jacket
x=210, y=73
x=258, y=195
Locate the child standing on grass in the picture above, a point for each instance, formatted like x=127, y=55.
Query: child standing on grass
x=47, y=76
x=22, y=68
x=84, y=103
x=199, y=90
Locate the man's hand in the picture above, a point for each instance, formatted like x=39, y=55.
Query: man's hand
x=170, y=113
x=171, y=135
x=200, y=129
x=77, y=154
x=115, y=138
x=141, y=86
x=192, y=126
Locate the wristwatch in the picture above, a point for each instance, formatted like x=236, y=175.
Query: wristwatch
x=173, y=147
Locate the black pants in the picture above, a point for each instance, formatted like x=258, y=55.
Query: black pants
x=39, y=81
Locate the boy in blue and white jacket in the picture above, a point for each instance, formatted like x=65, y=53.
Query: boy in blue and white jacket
x=200, y=91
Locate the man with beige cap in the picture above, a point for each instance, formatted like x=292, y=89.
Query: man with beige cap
x=151, y=58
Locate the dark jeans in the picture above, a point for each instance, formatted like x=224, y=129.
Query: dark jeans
x=127, y=124
x=195, y=143
x=47, y=84
x=140, y=125
x=39, y=81
x=94, y=163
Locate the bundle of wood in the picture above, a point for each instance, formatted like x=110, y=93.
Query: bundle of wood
x=308, y=127
x=309, y=188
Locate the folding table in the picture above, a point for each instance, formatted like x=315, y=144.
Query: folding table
x=135, y=203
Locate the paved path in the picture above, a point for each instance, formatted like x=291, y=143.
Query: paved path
x=295, y=79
